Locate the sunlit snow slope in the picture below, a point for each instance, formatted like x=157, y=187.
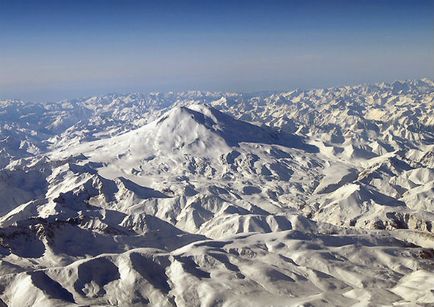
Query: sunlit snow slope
x=303, y=198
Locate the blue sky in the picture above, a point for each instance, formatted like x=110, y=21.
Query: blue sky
x=51, y=50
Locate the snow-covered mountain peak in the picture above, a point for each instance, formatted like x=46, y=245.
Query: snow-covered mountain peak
x=182, y=141
x=231, y=130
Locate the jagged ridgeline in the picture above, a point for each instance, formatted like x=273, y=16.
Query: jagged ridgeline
x=322, y=197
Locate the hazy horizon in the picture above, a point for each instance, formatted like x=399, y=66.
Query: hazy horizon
x=255, y=92
x=52, y=50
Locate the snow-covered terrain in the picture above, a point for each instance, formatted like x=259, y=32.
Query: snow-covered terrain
x=303, y=198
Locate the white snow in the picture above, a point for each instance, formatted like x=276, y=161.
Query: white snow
x=317, y=197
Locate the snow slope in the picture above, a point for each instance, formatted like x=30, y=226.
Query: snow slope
x=315, y=198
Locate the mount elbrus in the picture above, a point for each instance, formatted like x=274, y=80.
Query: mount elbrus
x=319, y=197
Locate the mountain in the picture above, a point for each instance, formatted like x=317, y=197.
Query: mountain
x=310, y=197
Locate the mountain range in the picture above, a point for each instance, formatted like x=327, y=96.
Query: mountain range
x=321, y=197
